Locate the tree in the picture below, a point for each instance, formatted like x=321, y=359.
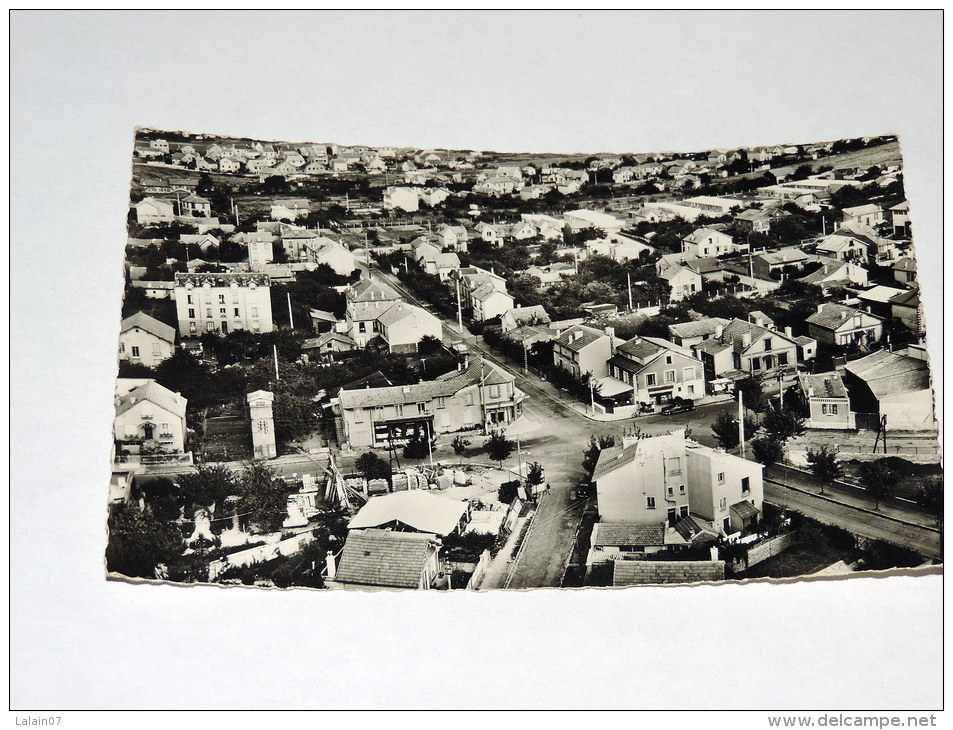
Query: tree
x=264, y=496
x=498, y=447
x=138, y=542
x=752, y=392
x=930, y=497
x=373, y=467
x=459, y=445
x=534, y=474
x=725, y=429
x=508, y=490
x=591, y=454
x=417, y=448
x=208, y=484
x=783, y=424
x=768, y=450
x=428, y=345
x=879, y=480
x=824, y=465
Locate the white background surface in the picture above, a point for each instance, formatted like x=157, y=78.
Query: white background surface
x=556, y=82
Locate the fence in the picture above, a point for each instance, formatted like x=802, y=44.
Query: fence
x=764, y=550
x=480, y=571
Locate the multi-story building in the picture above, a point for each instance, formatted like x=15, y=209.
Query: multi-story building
x=477, y=396
x=367, y=300
x=843, y=326
x=145, y=340
x=147, y=411
x=705, y=242
x=222, y=303
x=656, y=371
x=581, y=349
x=664, y=479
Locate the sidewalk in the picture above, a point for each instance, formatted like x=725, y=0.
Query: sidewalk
x=851, y=497
x=499, y=570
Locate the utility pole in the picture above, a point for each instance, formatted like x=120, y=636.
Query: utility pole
x=629, y=277
x=741, y=422
x=459, y=309
x=291, y=317
x=275, y=349
x=592, y=398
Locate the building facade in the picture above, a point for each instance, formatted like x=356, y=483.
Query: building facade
x=222, y=303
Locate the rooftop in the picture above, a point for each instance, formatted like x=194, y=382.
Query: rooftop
x=614, y=534
x=419, y=510
x=651, y=572
x=148, y=324
x=823, y=385
x=384, y=558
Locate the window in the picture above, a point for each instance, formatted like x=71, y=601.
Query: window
x=691, y=390
x=469, y=399
x=156, y=348
x=833, y=409
x=399, y=410
x=208, y=313
x=362, y=327
x=721, y=477
x=723, y=504
x=650, y=503
x=755, y=363
x=767, y=344
x=688, y=373
x=745, y=485
x=782, y=358
x=671, y=491
x=649, y=379
x=191, y=313
x=441, y=401
x=683, y=511
x=255, y=326
x=494, y=391
x=192, y=327
x=210, y=326
x=421, y=408
x=221, y=299
x=189, y=299
x=223, y=312
x=135, y=351
x=668, y=359
x=254, y=311
x=669, y=376
x=681, y=489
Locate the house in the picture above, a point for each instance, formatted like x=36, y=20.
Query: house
x=894, y=385
x=713, y=206
x=619, y=540
x=834, y=273
x=222, y=303
x=905, y=270
x=147, y=411
x=416, y=510
x=322, y=321
x=620, y=247
x=196, y=206
x=365, y=302
x=908, y=308
x=434, y=261
x=323, y=250
x=476, y=396
x=402, y=325
x=656, y=572
x=387, y=559
x=154, y=210
x=260, y=247
x=515, y=318
x=757, y=349
x=201, y=240
x=401, y=198
x=806, y=348
x=228, y=165
x=496, y=186
x=827, y=401
x=686, y=334
x=583, y=350
x=325, y=345
x=661, y=480
x=290, y=210
x=432, y=196
x=867, y=215
x=683, y=281
x=711, y=241
x=654, y=371
x=771, y=264
x=453, y=237
x=547, y=227
x=857, y=243
x=551, y=273
x=145, y=340
x=900, y=219
x=577, y=220
x=839, y=325
x=489, y=302
x=753, y=221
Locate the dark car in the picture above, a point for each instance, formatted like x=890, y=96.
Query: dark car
x=679, y=405
x=583, y=489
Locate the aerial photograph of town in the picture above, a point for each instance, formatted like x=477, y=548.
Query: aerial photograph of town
x=347, y=367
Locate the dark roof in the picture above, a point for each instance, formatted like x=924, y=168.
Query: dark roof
x=627, y=533
x=831, y=315
x=909, y=298
x=587, y=336
x=639, y=349
x=889, y=373
x=697, y=328
x=744, y=509
x=825, y=385
x=384, y=558
x=649, y=572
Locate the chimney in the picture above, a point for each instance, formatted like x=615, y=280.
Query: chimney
x=746, y=339
x=611, y=332
x=718, y=331
x=714, y=553
x=788, y=332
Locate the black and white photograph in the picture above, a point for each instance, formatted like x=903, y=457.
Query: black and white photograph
x=498, y=360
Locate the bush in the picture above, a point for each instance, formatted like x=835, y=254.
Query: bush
x=508, y=491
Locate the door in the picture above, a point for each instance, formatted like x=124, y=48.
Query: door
x=224, y=328
x=672, y=518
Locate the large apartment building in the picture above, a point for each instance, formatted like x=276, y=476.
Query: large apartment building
x=222, y=303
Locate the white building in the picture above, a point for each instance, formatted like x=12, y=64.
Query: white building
x=577, y=220
x=262, y=417
x=147, y=411
x=222, y=303
x=664, y=479
x=145, y=340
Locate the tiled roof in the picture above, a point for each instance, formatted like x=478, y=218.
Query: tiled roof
x=640, y=349
x=697, y=328
x=369, y=290
x=576, y=342
x=154, y=393
x=650, y=572
x=383, y=558
x=395, y=394
x=611, y=534
x=535, y=314
x=420, y=510
x=889, y=373
x=831, y=315
x=321, y=340
x=909, y=298
x=744, y=509
x=198, y=280
x=905, y=264
x=149, y=324
x=824, y=385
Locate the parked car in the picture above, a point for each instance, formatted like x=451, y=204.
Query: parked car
x=583, y=489
x=678, y=405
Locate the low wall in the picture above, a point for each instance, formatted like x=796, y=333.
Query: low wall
x=767, y=549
